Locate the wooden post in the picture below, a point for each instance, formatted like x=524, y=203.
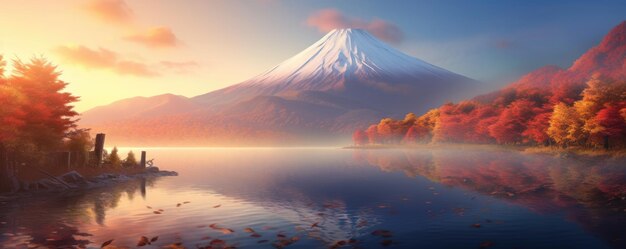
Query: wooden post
x=99, y=148
x=143, y=159
x=67, y=158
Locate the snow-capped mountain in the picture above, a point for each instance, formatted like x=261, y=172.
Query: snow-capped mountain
x=353, y=64
x=344, y=81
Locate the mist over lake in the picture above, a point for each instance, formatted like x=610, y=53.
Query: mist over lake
x=325, y=197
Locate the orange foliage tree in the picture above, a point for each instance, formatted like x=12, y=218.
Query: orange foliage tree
x=35, y=113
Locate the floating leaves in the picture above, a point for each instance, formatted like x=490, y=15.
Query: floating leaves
x=106, y=243
x=143, y=241
x=248, y=230
x=486, y=244
x=221, y=229
x=386, y=242
x=218, y=205
x=382, y=233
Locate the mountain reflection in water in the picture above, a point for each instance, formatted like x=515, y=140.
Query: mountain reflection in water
x=318, y=198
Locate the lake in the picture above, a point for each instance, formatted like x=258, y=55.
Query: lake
x=337, y=198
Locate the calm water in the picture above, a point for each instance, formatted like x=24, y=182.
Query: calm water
x=317, y=198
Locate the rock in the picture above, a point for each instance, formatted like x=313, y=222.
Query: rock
x=74, y=177
x=152, y=169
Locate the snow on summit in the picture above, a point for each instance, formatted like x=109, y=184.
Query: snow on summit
x=346, y=53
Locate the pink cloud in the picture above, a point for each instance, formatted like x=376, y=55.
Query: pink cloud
x=103, y=59
x=328, y=19
x=155, y=37
x=114, y=11
x=134, y=68
x=93, y=58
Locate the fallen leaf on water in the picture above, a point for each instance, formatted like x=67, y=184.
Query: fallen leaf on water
x=382, y=233
x=157, y=212
x=477, y=225
x=154, y=239
x=217, y=242
x=226, y=230
x=186, y=202
x=178, y=205
x=338, y=244
x=315, y=225
x=143, y=241
x=177, y=245
x=248, y=230
x=386, y=242
x=255, y=235
x=214, y=226
x=486, y=244
x=106, y=243
x=280, y=235
x=161, y=210
x=218, y=205
x=295, y=238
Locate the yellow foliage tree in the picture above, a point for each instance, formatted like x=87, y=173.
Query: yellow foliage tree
x=565, y=126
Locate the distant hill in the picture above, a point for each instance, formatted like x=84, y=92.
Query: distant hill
x=583, y=105
x=344, y=81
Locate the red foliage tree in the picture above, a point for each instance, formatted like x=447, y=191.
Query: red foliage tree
x=512, y=122
x=611, y=121
x=360, y=137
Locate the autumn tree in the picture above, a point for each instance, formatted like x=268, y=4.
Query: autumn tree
x=372, y=134
x=512, y=122
x=565, y=127
x=47, y=110
x=611, y=123
x=360, y=137
x=130, y=159
x=114, y=158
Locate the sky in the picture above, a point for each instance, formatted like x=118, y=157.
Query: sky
x=114, y=49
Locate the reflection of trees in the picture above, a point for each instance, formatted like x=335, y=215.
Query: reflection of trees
x=591, y=192
x=45, y=222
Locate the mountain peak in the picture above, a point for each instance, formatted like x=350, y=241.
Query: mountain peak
x=347, y=54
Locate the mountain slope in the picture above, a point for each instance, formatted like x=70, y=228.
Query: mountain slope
x=342, y=82
x=352, y=64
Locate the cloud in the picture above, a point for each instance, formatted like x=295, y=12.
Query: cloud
x=328, y=19
x=180, y=67
x=134, y=68
x=95, y=58
x=103, y=59
x=114, y=11
x=155, y=37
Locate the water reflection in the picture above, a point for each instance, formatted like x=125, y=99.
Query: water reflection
x=43, y=222
x=321, y=197
x=591, y=192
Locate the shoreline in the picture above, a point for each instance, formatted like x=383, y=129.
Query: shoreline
x=572, y=152
x=74, y=181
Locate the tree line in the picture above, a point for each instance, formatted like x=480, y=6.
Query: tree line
x=591, y=115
